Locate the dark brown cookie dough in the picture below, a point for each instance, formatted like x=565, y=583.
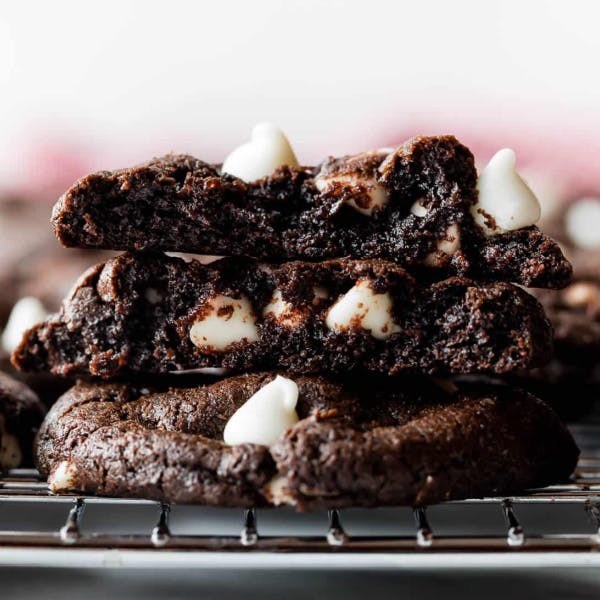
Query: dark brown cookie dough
x=21, y=413
x=361, y=442
x=144, y=313
x=179, y=203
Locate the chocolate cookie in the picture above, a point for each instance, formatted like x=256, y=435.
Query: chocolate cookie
x=361, y=442
x=21, y=413
x=412, y=205
x=147, y=312
x=571, y=381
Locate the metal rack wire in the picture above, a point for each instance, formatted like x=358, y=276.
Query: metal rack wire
x=514, y=545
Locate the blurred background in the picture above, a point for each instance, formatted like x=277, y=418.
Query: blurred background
x=87, y=86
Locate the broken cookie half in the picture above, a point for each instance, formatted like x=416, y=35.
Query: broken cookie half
x=420, y=205
x=149, y=313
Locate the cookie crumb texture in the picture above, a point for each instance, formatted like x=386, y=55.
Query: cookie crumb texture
x=21, y=413
x=366, y=442
x=356, y=206
x=111, y=325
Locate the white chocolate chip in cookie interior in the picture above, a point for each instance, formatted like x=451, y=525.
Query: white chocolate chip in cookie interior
x=283, y=312
x=448, y=246
x=582, y=223
x=354, y=180
x=26, y=313
x=506, y=202
x=62, y=478
x=265, y=416
x=277, y=491
x=10, y=449
x=224, y=321
x=362, y=308
x=286, y=314
x=418, y=209
x=267, y=149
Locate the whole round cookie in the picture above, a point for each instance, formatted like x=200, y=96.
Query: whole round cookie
x=21, y=413
x=358, y=442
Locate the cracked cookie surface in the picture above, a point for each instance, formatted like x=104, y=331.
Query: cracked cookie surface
x=410, y=205
x=359, y=442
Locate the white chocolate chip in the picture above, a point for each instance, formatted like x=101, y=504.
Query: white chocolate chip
x=418, y=209
x=505, y=202
x=285, y=313
x=353, y=180
x=282, y=311
x=26, y=313
x=224, y=321
x=267, y=149
x=276, y=491
x=582, y=223
x=449, y=245
x=264, y=417
x=10, y=449
x=363, y=308
x=372, y=194
x=63, y=477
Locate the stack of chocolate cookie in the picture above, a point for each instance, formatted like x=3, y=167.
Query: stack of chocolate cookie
x=351, y=293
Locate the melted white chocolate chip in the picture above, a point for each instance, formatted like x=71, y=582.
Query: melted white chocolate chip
x=449, y=245
x=26, y=313
x=277, y=492
x=505, y=202
x=373, y=195
x=418, y=209
x=63, y=477
x=285, y=313
x=267, y=149
x=265, y=416
x=224, y=321
x=363, y=308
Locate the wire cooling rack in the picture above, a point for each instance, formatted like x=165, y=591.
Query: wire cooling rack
x=557, y=525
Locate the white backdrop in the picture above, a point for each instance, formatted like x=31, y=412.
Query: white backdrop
x=87, y=85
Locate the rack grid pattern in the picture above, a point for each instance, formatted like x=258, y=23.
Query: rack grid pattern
x=583, y=490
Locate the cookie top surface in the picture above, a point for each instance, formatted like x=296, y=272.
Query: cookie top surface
x=368, y=441
x=412, y=206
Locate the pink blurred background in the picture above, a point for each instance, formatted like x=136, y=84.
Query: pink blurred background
x=88, y=86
